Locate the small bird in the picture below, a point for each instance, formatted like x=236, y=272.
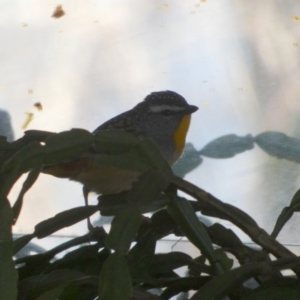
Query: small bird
x=164, y=117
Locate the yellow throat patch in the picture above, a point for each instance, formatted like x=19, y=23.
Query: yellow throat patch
x=180, y=134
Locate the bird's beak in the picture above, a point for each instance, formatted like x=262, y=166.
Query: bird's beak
x=191, y=109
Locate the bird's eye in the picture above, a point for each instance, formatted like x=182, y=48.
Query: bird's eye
x=167, y=112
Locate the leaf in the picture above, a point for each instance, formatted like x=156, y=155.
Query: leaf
x=114, y=281
x=35, y=286
x=144, y=247
x=140, y=294
x=36, y=135
x=81, y=289
x=3, y=140
x=147, y=150
x=125, y=161
x=295, y=203
x=226, y=262
x=30, y=180
x=286, y=214
x=141, y=157
x=140, y=257
x=163, y=263
x=8, y=272
x=183, y=214
x=275, y=292
x=63, y=219
x=147, y=188
x=228, y=146
x=21, y=242
x=114, y=141
x=146, y=193
x=219, y=286
x=198, y=266
x=184, y=284
x=67, y=145
x=26, y=159
x=109, y=205
x=225, y=238
x=7, y=181
x=163, y=223
x=279, y=145
x=54, y=293
x=124, y=229
x=84, y=259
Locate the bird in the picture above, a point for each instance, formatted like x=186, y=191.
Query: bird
x=163, y=117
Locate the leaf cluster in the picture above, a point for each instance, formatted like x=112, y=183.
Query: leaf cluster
x=123, y=264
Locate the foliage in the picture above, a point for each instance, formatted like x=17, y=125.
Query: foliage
x=105, y=265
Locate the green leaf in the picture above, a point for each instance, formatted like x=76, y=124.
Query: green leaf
x=146, y=192
x=163, y=223
x=109, y=205
x=286, y=214
x=36, y=135
x=63, y=219
x=140, y=294
x=114, y=141
x=30, y=180
x=295, y=203
x=7, y=181
x=114, y=281
x=54, y=293
x=67, y=145
x=148, y=187
x=184, y=284
x=26, y=159
x=144, y=247
x=219, y=286
x=141, y=157
x=8, y=272
x=140, y=257
x=183, y=214
x=32, y=287
x=81, y=289
x=3, y=140
x=226, y=238
x=274, y=293
x=149, y=151
x=166, y=262
x=124, y=161
x=226, y=262
x=124, y=229
x=21, y=242
x=198, y=266
x=83, y=259
x=75, y=289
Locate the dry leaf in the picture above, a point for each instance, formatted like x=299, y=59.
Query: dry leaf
x=58, y=13
x=29, y=118
x=39, y=106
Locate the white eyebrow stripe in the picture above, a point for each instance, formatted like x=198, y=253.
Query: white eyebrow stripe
x=160, y=108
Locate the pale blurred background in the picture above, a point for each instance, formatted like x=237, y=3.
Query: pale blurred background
x=238, y=60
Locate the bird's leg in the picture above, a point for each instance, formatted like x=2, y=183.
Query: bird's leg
x=86, y=191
